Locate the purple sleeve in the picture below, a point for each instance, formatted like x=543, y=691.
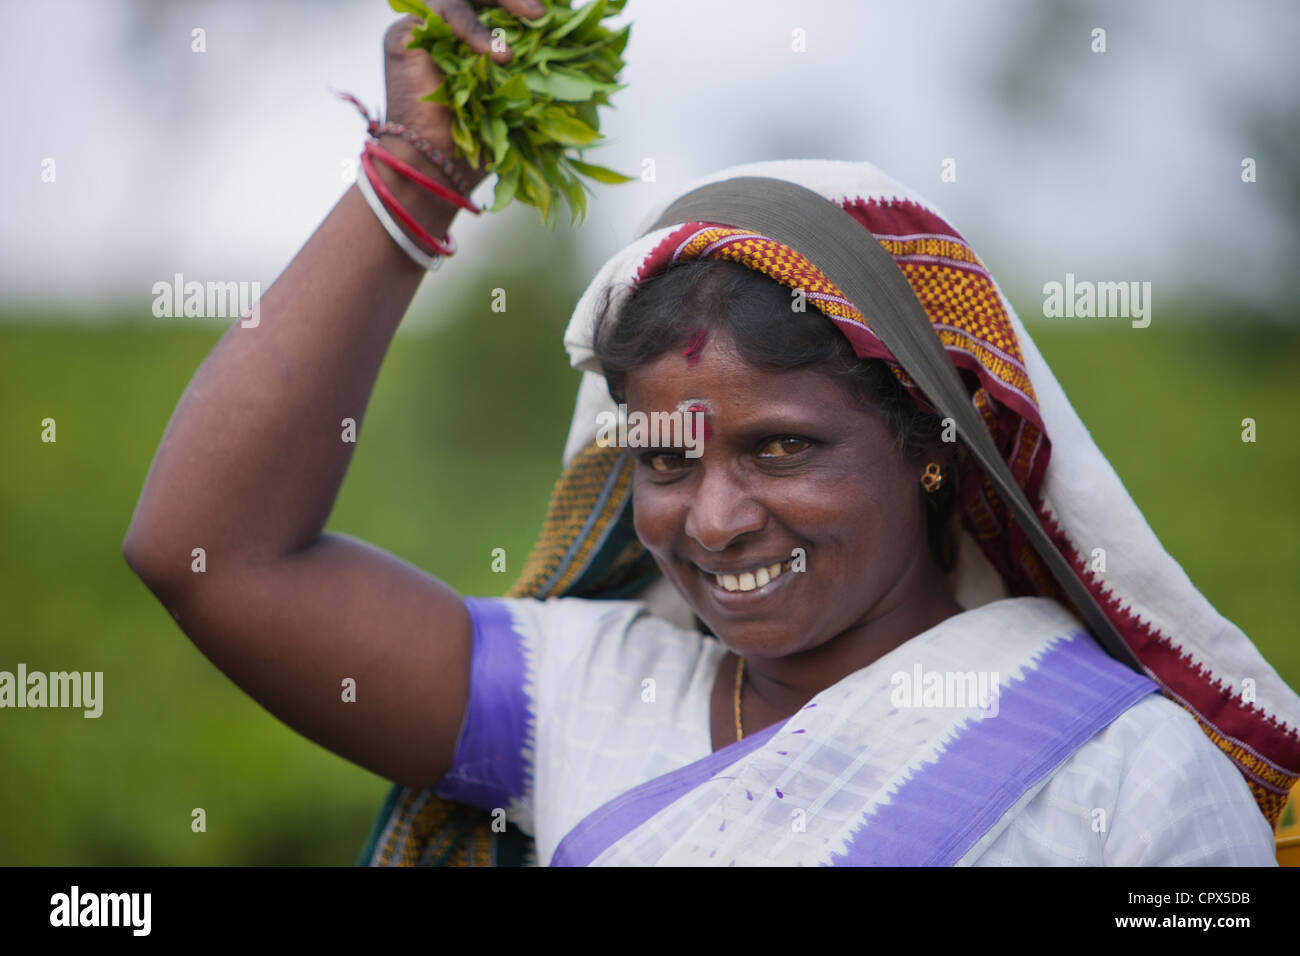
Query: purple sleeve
x=492, y=765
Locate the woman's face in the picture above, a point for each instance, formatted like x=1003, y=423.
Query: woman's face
x=791, y=465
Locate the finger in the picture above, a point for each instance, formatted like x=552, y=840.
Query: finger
x=528, y=9
x=398, y=35
x=464, y=22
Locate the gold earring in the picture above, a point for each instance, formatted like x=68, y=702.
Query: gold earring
x=932, y=478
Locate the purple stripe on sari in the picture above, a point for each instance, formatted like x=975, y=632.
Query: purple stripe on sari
x=943, y=809
x=605, y=826
x=490, y=769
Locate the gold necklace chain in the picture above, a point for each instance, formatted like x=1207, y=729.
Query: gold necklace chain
x=740, y=677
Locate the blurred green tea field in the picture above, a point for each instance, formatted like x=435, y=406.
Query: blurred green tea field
x=457, y=456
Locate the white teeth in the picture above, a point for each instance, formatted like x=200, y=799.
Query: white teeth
x=750, y=579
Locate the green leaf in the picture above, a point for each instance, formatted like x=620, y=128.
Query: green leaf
x=434, y=29
x=464, y=140
x=599, y=173
x=505, y=190
x=618, y=42
x=565, y=128
x=572, y=190
x=552, y=54
x=441, y=96
x=587, y=113
x=409, y=6
x=546, y=19
x=591, y=13
x=565, y=84
x=538, y=186
x=524, y=45
x=515, y=90
x=497, y=134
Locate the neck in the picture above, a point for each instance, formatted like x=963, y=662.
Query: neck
x=777, y=687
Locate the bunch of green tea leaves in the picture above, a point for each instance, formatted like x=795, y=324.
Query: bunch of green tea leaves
x=531, y=117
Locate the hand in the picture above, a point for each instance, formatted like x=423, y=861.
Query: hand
x=410, y=73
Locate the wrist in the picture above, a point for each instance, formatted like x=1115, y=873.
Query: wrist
x=430, y=211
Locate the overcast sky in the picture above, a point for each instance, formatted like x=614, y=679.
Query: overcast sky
x=218, y=165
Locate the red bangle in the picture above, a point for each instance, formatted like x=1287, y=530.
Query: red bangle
x=413, y=174
x=447, y=248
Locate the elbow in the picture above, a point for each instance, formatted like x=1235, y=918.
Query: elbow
x=154, y=564
x=135, y=557
x=158, y=573
x=141, y=560
x=133, y=553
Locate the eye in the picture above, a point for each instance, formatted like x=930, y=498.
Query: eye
x=783, y=447
x=664, y=461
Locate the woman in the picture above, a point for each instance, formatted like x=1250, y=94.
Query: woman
x=896, y=676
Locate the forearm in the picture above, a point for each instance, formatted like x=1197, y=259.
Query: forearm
x=252, y=460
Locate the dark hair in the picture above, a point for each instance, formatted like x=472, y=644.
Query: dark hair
x=753, y=311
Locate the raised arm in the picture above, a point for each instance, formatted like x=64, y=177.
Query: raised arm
x=251, y=463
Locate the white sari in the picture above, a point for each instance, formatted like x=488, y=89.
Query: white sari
x=1003, y=736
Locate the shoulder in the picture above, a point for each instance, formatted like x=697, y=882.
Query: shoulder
x=1151, y=789
x=574, y=619
x=565, y=629
x=1180, y=800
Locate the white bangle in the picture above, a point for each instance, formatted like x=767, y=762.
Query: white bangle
x=418, y=255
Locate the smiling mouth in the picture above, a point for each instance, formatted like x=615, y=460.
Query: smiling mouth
x=752, y=580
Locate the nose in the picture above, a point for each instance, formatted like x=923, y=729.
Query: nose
x=722, y=509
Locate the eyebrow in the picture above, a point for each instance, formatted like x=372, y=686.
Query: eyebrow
x=763, y=427
x=776, y=423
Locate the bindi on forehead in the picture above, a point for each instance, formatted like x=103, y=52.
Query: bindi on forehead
x=696, y=410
